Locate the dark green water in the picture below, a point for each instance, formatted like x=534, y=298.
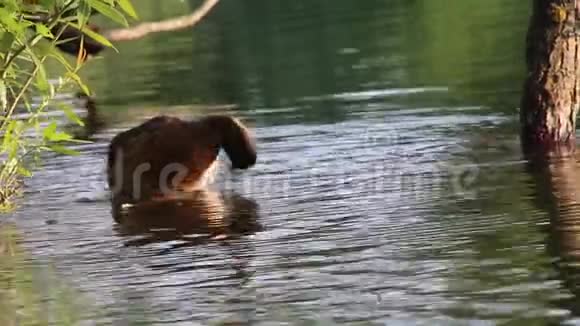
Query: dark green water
x=390, y=188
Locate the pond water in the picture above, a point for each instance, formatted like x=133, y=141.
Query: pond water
x=390, y=188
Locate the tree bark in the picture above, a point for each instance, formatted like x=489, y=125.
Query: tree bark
x=550, y=99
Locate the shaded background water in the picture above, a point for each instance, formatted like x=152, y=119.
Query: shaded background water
x=390, y=187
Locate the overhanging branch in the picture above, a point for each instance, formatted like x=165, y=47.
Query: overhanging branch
x=141, y=30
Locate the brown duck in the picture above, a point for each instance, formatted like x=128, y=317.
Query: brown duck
x=72, y=41
x=165, y=155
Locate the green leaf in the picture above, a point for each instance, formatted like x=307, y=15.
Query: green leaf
x=11, y=5
x=83, y=12
x=70, y=114
x=10, y=143
x=79, y=82
x=24, y=172
x=6, y=41
x=128, y=8
x=50, y=130
x=60, y=136
x=43, y=30
x=51, y=50
x=9, y=22
x=94, y=35
x=50, y=134
x=42, y=81
x=7, y=136
x=108, y=11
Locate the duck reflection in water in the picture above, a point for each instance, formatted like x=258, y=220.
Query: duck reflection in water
x=194, y=217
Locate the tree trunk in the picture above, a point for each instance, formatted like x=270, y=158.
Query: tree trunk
x=550, y=99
